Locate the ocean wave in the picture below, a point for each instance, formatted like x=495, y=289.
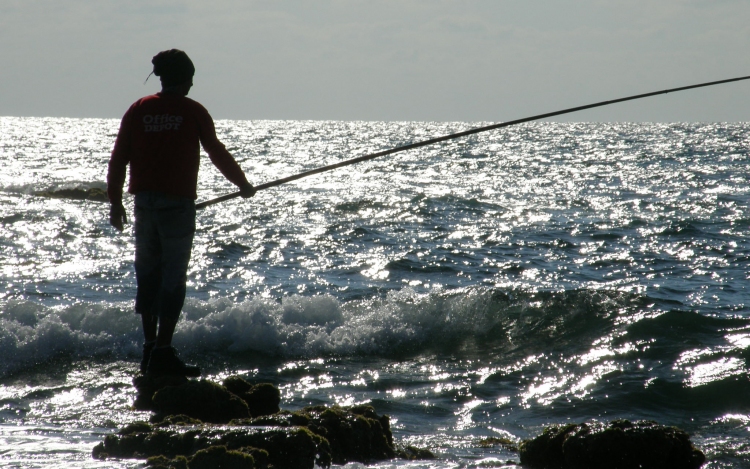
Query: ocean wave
x=96, y=191
x=76, y=193
x=401, y=323
x=32, y=334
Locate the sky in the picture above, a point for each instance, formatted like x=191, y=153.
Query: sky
x=382, y=60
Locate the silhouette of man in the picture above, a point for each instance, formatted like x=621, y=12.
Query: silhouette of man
x=160, y=138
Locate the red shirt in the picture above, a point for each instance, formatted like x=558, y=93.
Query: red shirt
x=160, y=137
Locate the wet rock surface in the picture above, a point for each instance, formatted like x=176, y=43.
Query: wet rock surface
x=147, y=387
x=236, y=424
x=620, y=444
x=261, y=399
x=286, y=448
x=354, y=433
x=212, y=458
x=239, y=425
x=204, y=400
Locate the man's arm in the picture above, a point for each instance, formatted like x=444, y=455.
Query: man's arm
x=222, y=159
x=116, y=170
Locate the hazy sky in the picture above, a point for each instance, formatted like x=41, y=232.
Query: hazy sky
x=428, y=60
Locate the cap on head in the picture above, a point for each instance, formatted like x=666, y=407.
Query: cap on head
x=173, y=67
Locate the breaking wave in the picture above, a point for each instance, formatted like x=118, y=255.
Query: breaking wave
x=401, y=323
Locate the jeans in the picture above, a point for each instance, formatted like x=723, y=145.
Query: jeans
x=164, y=229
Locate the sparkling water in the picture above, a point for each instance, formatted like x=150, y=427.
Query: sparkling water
x=482, y=287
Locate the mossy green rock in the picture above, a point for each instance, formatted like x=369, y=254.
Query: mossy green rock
x=291, y=448
x=619, y=444
x=261, y=399
x=203, y=400
x=219, y=457
x=163, y=462
x=413, y=453
x=187, y=411
x=214, y=457
x=355, y=433
x=146, y=386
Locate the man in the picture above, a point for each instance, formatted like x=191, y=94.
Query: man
x=160, y=138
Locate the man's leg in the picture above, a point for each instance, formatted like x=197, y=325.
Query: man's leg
x=167, y=326
x=149, y=322
x=176, y=230
x=147, y=272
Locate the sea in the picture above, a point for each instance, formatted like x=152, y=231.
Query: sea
x=476, y=290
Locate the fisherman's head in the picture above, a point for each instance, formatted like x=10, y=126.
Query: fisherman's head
x=175, y=69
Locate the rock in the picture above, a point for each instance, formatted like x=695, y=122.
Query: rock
x=138, y=427
x=213, y=457
x=163, y=462
x=354, y=433
x=261, y=399
x=177, y=420
x=502, y=442
x=185, y=410
x=619, y=444
x=412, y=453
x=292, y=448
x=146, y=385
x=203, y=400
x=219, y=457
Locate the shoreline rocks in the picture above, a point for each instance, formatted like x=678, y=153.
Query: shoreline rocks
x=285, y=448
x=204, y=400
x=354, y=433
x=236, y=424
x=198, y=423
x=619, y=444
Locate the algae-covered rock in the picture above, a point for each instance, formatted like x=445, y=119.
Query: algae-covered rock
x=190, y=397
x=413, y=453
x=163, y=462
x=261, y=456
x=176, y=420
x=137, y=427
x=147, y=385
x=502, y=442
x=203, y=400
x=617, y=445
x=545, y=451
x=186, y=409
x=219, y=457
x=292, y=448
x=213, y=457
x=261, y=399
x=355, y=433
x=296, y=449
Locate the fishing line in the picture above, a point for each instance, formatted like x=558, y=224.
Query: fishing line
x=477, y=130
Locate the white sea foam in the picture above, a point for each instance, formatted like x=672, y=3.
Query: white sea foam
x=295, y=326
x=403, y=321
x=31, y=334
x=321, y=325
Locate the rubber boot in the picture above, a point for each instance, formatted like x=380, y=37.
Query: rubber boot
x=164, y=361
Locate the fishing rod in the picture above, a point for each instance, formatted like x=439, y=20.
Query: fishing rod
x=476, y=130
